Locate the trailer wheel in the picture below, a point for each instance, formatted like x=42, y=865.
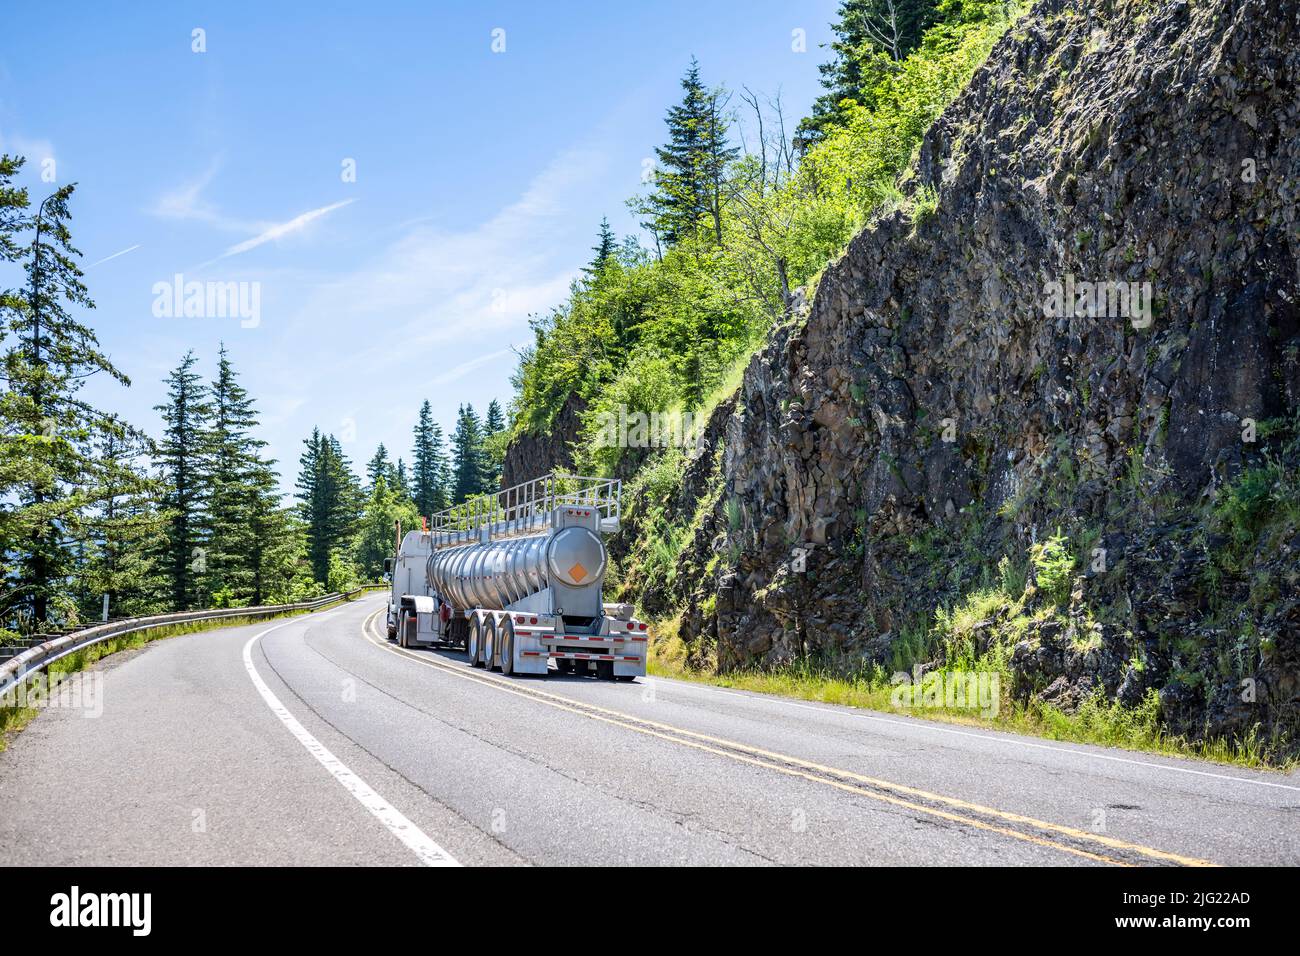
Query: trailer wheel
x=564, y=665
x=604, y=670
x=508, y=648
x=490, y=644
x=474, y=643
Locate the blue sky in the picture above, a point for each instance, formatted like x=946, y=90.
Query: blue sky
x=481, y=178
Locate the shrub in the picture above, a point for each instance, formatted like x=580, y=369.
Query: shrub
x=1053, y=567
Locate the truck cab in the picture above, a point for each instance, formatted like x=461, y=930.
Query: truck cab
x=408, y=581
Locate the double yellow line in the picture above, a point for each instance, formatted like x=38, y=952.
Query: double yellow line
x=1056, y=836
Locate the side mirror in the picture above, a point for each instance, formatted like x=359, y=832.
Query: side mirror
x=388, y=565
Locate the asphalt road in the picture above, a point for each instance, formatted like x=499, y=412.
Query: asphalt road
x=315, y=741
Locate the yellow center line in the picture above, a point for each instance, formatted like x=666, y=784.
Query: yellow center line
x=796, y=767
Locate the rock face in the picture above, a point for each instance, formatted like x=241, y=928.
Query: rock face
x=941, y=406
x=531, y=456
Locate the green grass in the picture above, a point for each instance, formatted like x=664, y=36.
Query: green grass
x=924, y=204
x=1098, y=721
x=14, y=719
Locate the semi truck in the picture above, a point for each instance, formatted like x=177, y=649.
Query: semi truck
x=515, y=579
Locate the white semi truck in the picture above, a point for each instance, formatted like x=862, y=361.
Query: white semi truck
x=515, y=579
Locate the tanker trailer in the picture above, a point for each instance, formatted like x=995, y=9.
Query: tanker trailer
x=516, y=578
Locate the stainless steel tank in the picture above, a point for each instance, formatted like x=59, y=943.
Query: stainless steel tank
x=502, y=572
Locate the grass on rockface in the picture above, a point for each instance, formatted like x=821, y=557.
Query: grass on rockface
x=1097, y=721
x=976, y=637
x=14, y=718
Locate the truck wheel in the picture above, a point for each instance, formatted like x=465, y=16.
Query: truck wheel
x=490, y=644
x=474, y=643
x=507, y=641
x=392, y=632
x=605, y=670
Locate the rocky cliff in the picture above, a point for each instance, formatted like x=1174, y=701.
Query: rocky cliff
x=532, y=455
x=1081, y=329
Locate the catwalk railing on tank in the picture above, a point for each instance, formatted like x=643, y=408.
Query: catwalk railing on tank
x=526, y=508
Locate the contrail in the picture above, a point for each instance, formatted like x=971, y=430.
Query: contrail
x=114, y=256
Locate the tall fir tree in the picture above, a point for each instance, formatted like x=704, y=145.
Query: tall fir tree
x=493, y=445
x=493, y=420
x=605, y=249
x=242, y=492
x=866, y=31
x=328, y=501
x=467, y=455
x=49, y=434
x=692, y=165
x=125, y=535
x=378, y=467
x=184, y=455
x=428, y=479
x=278, y=556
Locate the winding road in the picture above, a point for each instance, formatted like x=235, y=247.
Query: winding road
x=315, y=741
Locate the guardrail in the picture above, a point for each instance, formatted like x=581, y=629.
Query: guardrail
x=35, y=659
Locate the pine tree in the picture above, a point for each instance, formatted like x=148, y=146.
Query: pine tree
x=46, y=476
x=467, y=452
x=493, y=445
x=401, y=479
x=429, y=474
x=865, y=29
x=606, y=250
x=243, y=492
x=314, y=507
x=378, y=467
x=184, y=455
x=328, y=501
x=692, y=166
x=494, y=421
x=280, y=570
x=126, y=533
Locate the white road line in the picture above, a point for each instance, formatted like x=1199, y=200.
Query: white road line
x=992, y=738
x=416, y=840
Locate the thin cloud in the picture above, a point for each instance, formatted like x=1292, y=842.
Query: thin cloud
x=464, y=368
x=280, y=230
x=186, y=203
x=453, y=287
x=114, y=256
x=433, y=308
